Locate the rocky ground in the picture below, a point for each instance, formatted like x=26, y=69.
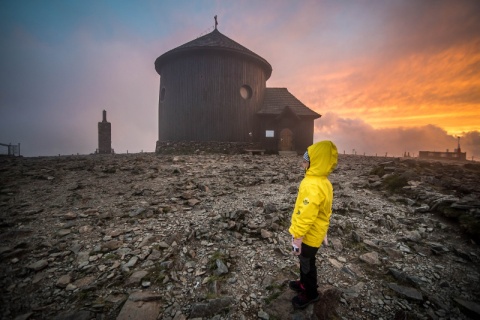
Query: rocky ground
x=204, y=236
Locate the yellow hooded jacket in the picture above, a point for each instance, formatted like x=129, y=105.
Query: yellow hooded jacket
x=313, y=207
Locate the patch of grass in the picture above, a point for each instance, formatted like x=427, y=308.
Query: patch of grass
x=451, y=212
x=212, y=261
x=284, y=222
x=378, y=171
x=358, y=247
x=381, y=276
x=276, y=291
x=341, y=211
x=110, y=256
x=348, y=228
x=293, y=268
x=156, y=274
x=211, y=296
x=214, y=278
x=100, y=300
x=82, y=295
x=471, y=225
x=395, y=182
x=374, y=272
x=272, y=297
x=275, y=286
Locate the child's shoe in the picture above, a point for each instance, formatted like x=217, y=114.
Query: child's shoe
x=301, y=301
x=296, y=286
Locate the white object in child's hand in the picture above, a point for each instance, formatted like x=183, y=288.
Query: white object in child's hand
x=297, y=246
x=325, y=240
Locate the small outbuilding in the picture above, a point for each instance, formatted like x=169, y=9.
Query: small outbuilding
x=214, y=89
x=457, y=154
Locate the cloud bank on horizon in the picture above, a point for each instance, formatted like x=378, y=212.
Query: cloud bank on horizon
x=388, y=77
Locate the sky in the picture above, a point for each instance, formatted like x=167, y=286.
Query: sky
x=388, y=77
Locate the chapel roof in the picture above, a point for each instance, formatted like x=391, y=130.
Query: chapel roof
x=214, y=40
x=278, y=99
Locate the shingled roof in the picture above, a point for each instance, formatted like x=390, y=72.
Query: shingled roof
x=278, y=99
x=213, y=41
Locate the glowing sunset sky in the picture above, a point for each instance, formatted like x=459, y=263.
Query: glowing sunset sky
x=387, y=76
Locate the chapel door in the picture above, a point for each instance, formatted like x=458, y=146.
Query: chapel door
x=285, y=142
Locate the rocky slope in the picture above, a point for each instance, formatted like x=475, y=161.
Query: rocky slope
x=205, y=236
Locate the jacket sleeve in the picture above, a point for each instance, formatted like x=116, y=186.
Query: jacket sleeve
x=306, y=210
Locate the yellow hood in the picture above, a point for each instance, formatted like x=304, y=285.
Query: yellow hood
x=323, y=158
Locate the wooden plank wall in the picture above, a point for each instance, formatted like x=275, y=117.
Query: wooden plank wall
x=202, y=98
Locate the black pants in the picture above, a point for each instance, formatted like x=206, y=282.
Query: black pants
x=308, y=270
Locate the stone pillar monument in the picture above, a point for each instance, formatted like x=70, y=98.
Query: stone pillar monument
x=104, y=135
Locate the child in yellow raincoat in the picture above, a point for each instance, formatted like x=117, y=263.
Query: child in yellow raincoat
x=311, y=218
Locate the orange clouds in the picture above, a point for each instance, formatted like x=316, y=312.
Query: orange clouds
x=442, y=89
x=354, y=135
